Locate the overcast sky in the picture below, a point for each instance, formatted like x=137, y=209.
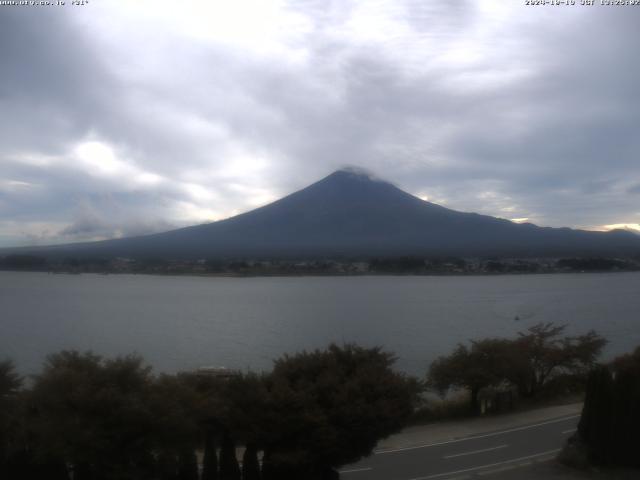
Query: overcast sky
x=122, y=118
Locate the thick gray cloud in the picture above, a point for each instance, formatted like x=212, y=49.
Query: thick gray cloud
x=128, y=118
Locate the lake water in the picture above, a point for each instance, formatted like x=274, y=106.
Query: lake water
x=180, y=323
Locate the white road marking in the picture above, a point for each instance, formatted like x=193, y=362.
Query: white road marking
x=437, y=475
x=571, y=430
x=354, y=470
x=493, y=434
x=476, y=451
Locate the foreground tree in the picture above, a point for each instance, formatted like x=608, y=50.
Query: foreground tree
x=244, y=417
x=210, y=457
x=175, y=435
x=229, y=468
x=527, y=362
x=481, y=365
x=329, y=408
x=102, y=406
x=610, y=423
x=543, y=353
x=250, y=463
x=210, y=411
x=10, y=384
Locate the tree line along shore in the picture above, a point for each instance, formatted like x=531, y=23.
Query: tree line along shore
x=84, y=416
x=406, y=265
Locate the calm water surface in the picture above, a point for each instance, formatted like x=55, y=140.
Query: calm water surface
x=180, y=323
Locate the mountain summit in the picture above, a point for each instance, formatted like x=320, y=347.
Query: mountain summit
x=352, y=213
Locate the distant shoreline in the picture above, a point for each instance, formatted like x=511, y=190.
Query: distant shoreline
x=324, y=275
x=337, y=267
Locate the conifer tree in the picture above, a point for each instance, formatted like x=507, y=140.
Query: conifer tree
x=210, y=458
x=229, y=468
x=250, y=464
x=187, y=465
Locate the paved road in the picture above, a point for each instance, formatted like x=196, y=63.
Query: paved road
x=480, y=454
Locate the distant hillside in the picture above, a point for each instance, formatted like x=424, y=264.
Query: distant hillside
x=352, y=214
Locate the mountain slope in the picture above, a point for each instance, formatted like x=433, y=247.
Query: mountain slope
x=349, y=213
